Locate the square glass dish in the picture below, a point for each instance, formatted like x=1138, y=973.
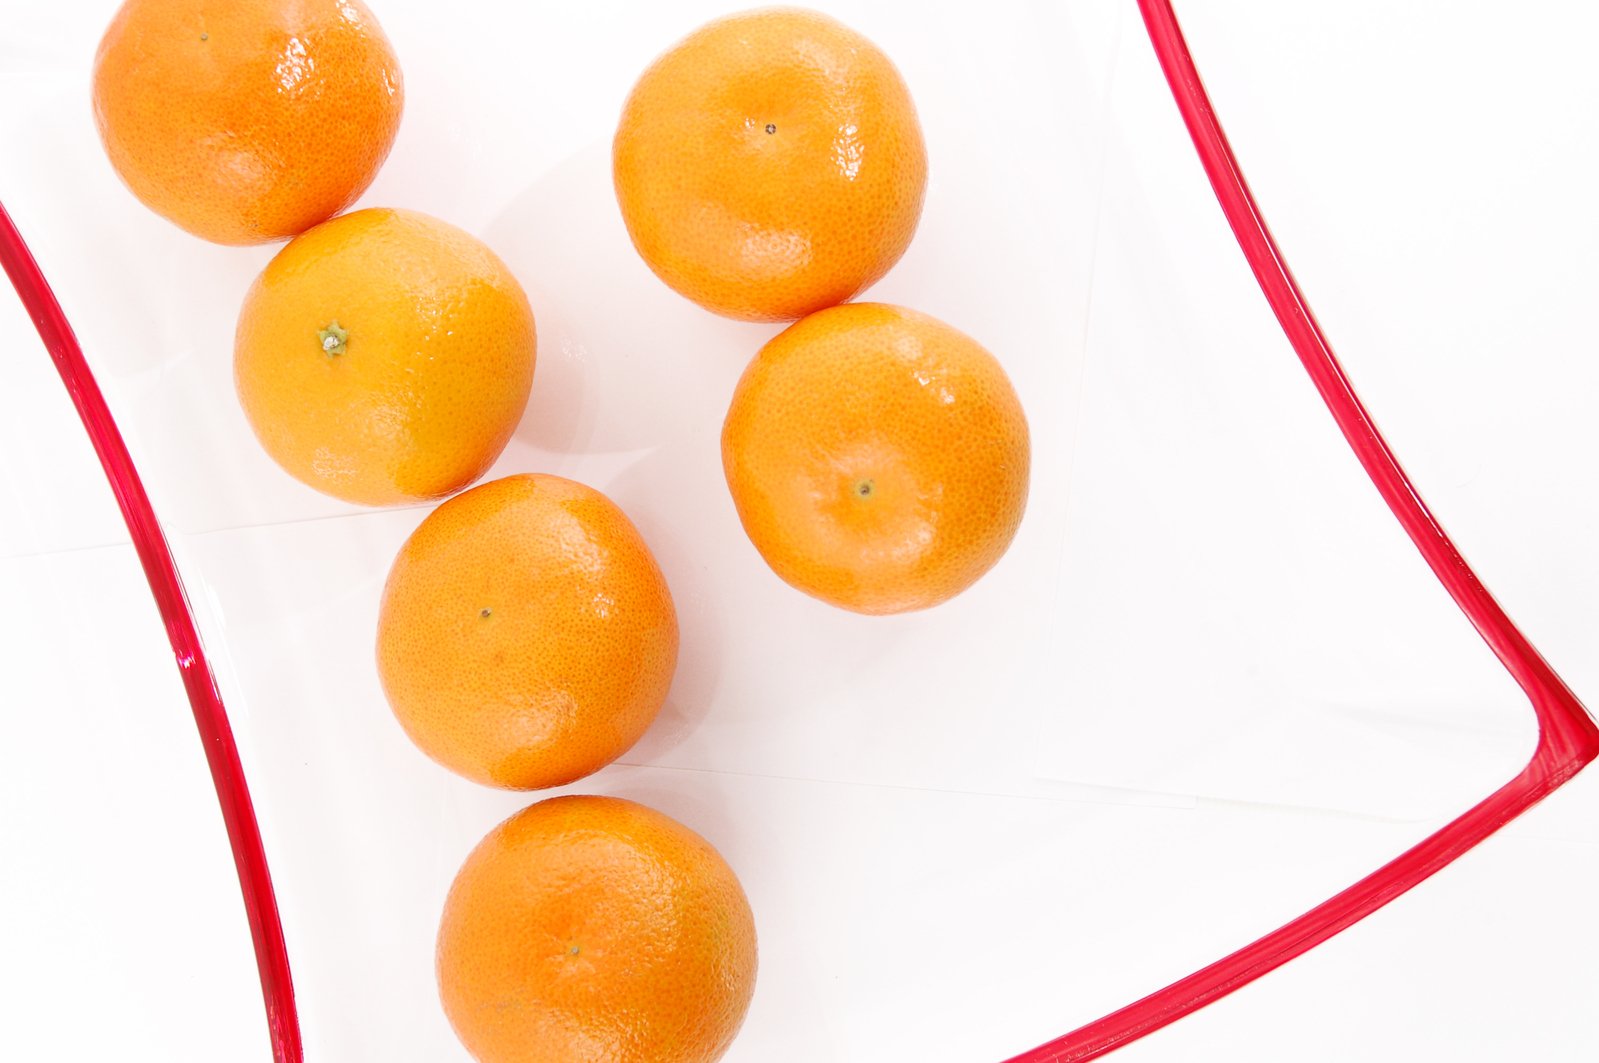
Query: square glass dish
x=1211, y=684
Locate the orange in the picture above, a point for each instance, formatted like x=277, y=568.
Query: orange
x=591, y=928
x=246, y=121
x=770, y=164
x=526, y=636
x=878, y=458
x=385, y=357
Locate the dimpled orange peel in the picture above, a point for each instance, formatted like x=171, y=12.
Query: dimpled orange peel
x=770, y=164
x=246, y=121
x=588, y=929
x=526, y=636
x=385, y=357
x=877, y=457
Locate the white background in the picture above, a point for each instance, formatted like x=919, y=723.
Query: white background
x=1210, y=685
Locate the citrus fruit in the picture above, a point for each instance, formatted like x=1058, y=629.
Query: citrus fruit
x=384, y=357
x=526, y=636
x=770, y=164
x=592, y=928
x=246, y=121
x=878, y=458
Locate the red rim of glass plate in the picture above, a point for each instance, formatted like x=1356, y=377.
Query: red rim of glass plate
x=210, y=718
x=1568, y=737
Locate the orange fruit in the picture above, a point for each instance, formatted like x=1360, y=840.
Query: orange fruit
x=526, y=636
x=770, y=164
x=385, y=357
x=246, y=121
x=591, y=928
x=878, y=458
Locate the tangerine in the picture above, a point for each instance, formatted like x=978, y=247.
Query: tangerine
x=593, y=928
x=770, y=164
x=246, y=121
x=385, y=357
x=878, y=458
x=526, y=636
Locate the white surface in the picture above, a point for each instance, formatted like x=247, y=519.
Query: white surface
x=1209, y=686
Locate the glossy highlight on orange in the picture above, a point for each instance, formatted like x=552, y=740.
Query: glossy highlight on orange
x=878, y=458
x=385, y=357
x=246, y=121
x=770, y=164
x=526, y=636
x=594, y=928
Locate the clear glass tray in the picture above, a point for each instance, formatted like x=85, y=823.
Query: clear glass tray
x=1211, y=684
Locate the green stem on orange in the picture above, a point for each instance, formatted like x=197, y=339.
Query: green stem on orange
x=332, y=340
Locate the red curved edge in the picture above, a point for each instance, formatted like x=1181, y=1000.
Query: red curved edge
x=255, y=881
x=1568, y=737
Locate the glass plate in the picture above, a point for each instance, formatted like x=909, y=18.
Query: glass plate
x=1210, y=685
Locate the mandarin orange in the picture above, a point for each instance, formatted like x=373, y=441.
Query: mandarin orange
x=878, y=458
x=385, y=357
x=770, y=164
x=246, y=121
x=526, y=636
x=592, y=928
